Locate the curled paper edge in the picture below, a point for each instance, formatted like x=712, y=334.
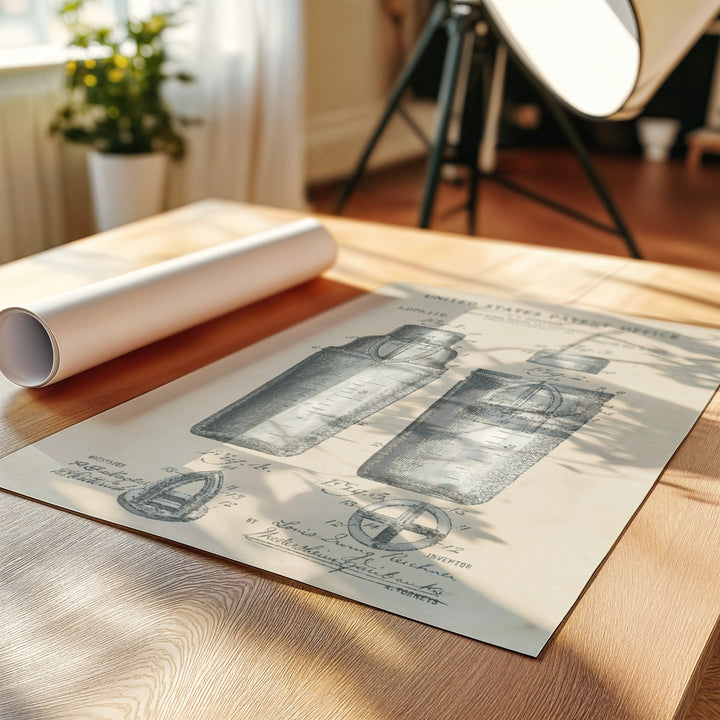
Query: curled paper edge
x=29, y=353
x=48, y=340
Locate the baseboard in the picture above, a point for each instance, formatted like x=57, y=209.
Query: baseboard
x=335, y=140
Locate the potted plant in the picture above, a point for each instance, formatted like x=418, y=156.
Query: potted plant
x=115, y=106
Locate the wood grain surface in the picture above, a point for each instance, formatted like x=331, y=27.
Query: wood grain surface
x=99, y=622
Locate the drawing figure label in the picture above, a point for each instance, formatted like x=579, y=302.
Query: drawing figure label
x=482, y=435
x=331, y=390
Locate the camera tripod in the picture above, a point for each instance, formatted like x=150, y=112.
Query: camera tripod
x=460, y=18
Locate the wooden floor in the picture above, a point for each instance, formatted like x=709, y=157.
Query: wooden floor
x=673, y=213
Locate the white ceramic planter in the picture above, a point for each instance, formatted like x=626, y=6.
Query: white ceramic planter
x=126, y=187
x=657, y=136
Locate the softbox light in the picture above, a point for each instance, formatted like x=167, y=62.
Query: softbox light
x=602, y=58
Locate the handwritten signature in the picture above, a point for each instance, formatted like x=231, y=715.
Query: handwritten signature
x=332, y=552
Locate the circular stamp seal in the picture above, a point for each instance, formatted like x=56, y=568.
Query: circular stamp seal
x=397, y=525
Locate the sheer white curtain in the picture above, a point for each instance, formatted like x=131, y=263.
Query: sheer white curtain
x=31, y=198
x=248, y=58
x=249, y=97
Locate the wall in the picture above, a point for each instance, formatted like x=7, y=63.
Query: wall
x=353, y=53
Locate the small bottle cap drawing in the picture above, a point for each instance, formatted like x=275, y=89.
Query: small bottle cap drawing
x=162, y=499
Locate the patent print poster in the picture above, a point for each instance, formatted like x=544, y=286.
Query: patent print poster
x=463, y=461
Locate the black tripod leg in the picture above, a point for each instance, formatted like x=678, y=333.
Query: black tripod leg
x=472, y=126
x=475, y=124
x=577, y=145
x=456, y=27
x=434, y=21
x=474, y=191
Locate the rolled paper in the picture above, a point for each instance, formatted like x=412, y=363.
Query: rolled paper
x=53, y=338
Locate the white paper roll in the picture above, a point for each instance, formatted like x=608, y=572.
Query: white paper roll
x=50, y=339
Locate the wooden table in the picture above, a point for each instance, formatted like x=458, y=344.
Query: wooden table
x=99, y=622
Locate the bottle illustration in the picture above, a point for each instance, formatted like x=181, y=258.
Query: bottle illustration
x=331, y=390
x=482, y=435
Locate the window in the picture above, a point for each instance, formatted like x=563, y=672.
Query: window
x=32, y=34
x=23, y=23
